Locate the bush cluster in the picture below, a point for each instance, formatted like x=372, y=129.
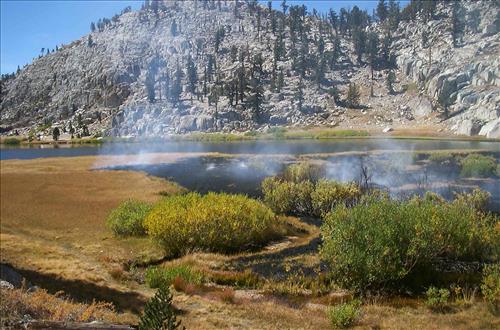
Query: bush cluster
x=490, y=286
x=165, y=276
x=12, y=141
x=215, y=222
x=437, y=299
x=476, y=165
x=381, y=243
x=344, y=315
x=299, y=190
x=127, y=219
x=443, y=159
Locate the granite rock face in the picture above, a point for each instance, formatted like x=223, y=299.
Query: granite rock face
x=97, y=85
x=464, y=80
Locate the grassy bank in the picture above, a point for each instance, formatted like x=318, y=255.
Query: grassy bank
x=273, y=133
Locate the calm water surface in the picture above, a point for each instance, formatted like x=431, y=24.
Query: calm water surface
x=243, y=147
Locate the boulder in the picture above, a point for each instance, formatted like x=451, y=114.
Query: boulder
x=187, y=123
x=387, y=129
x=489, y=30
x=491, y=130
x=278, y=120
x=204, y=122
x=421, y=106
x=468, y=127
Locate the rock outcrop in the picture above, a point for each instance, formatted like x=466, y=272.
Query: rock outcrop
x=463, y=81
x=118, y=80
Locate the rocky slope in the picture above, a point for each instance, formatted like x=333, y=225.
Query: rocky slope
x=118, y=80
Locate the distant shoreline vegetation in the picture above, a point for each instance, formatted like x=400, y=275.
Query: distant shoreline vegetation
x=273, y=133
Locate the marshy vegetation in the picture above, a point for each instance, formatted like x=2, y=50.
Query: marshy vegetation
x=370, y=243
x=351, y=241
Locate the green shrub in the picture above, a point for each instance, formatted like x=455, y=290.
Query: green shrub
x=475, y=165
x=277, y=132
x=12, y=141
x=213, y=222
x=344, y=315
x=437, y=299
x=286, y=197
x=159, y=314
x=327, y=194
x=490, y=286
x=303, y=171
x=251, y=133
x=381, y=242
x=477, y=199
x=442, y=158
x=300, y=190
x=127, y=219
x=158, y=276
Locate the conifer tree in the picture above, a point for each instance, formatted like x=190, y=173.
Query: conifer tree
x=176, y=90
x=299, y=95
x=255, y=97
x=382, y=10
x=458, y=25
x=192, y=76
x=281, y=81
x=173, y=29
x=353, y=95
x=159, y=313
x=334, y=20
x=393, y=14
x=391, y=78
x=56, y=133
x=373, y=48
x=359, y=39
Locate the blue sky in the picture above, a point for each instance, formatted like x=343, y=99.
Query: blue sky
x=27, y=26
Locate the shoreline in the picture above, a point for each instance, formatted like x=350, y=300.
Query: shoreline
x=276, y=134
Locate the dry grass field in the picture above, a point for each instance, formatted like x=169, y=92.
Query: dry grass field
x=53, y=230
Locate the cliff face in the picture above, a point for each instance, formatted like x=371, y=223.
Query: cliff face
x=464, y=78
x=122, y=80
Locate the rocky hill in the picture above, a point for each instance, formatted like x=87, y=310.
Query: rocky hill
x=181, y=66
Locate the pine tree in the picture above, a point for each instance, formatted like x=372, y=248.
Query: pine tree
x=353, y=95
x=90, y=42
x=319, y=73
x=391, y=78
x=255, y=97
x=192, y=76
x=176, y=90
x=281, y=81
x=219, y=37
x=56, y=133
x=343, y=25
x=173, y=29
x=150, y=87
x=334, y=93
x=334, y=20
x=284, y=6
x=474, y=20
x=382, y=10
x=92, y=27
x=428, y=9
x=393, y=14
x=458, y=25
x=373, y=47
x=385, y=50
x=359, y=39
x=159, y=313
x=299, y=95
